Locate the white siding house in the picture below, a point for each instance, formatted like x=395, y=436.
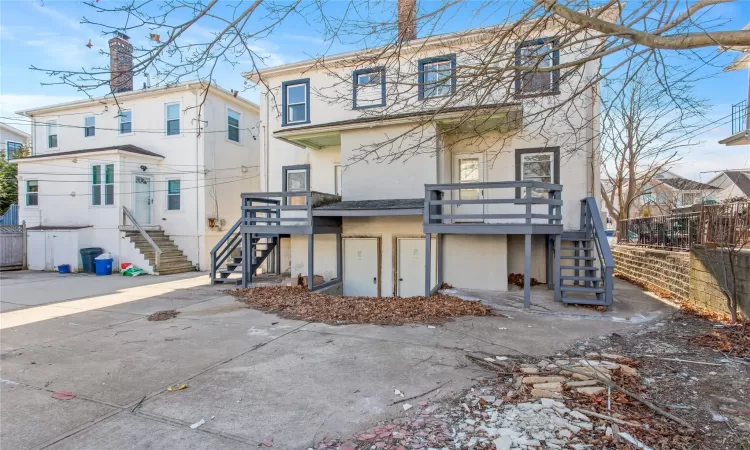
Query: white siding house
x=177, y=158
x=12, y=139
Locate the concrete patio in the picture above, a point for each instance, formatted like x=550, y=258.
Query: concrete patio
x=251, y=376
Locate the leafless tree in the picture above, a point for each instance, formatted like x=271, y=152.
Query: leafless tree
x=643, y=134
x=580, y=34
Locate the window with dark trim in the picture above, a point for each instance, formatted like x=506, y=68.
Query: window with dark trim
x=538, y=164
x=295, y=179
x=539, y=54
x=89, y=126
x=295, y=100
x=32, y=193
x=13, y=150
x=437, y=77
x=369, y=88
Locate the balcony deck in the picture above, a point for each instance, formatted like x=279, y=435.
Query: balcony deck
x=287, y=213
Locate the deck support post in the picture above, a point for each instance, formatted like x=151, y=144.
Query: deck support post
x=247, y=262
x=339, y=259
x=427, y=264
x=527, y=272
x=277, y=256
x=549, y=262
x=556, y=273
x=439, y=257
x=310, y=260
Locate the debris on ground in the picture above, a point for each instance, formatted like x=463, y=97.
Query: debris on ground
x=731, y=340
x=64, y=395
x=177, y=387
x=197, y=424
x=518, y=280
x=163, y=315
x=299, y=303
x=654, y=388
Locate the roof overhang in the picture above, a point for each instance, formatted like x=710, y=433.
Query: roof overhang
x=741, y=138
x=83, y=155
x=740, y=63
x=501, y=118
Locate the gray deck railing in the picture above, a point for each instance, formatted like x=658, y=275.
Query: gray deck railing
x=500, y=203
x=284, y=211
x=224, y=248
x=591, y=223
x=157, y=251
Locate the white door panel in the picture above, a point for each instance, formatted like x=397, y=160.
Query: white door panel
x=142, y=199
x=361, y=267
x=468, y=168
x=411, y=267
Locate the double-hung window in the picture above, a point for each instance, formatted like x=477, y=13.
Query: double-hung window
x=233, y=125
x=296, y=179
x=369, y=88
x=173, y=119
x=535, y=60
x=32, y=193
x=52, y=134
x=126, y=122
x=295, y=102
x=537, y=165
x=437, y=77
x=103, y=184
x=173, y=195
x=13, y=150
x=89, y=126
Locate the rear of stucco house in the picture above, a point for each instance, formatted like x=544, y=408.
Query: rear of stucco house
x=309, y=143
x=176, y=158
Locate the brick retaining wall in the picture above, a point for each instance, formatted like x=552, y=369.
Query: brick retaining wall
x=662, y=271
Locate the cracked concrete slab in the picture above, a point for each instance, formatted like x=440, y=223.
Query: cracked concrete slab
x=31, y=416
x=306, y=386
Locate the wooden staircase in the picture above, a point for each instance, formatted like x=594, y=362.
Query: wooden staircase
x=261, y=248
x=172, y=260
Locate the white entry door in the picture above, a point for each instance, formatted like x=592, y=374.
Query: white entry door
x=468, y=168
x=410, y=270
x=361, y=267
x=142, y=199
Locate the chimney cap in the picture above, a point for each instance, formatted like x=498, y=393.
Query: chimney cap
x=122, y=35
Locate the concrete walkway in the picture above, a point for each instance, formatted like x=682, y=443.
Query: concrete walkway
x=252, y=377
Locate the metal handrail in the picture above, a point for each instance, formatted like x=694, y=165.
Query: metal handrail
x=593, y=224
x=157, y=250
x=224, y=255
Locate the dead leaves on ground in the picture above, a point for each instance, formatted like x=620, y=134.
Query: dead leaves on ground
x=299, y=303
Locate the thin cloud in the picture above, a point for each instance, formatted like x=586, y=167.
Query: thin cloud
x=58, y=16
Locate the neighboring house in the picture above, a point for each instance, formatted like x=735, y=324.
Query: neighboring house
x=740, y=113
x=175, y=158
x=493, y=206
x=12, y=140
x=670, y=193
x=732, y=183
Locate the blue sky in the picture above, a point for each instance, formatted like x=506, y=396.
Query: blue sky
x=49, y=34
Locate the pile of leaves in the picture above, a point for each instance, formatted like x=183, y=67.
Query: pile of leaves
x=163, y=315
x=729, y=340
x=518, y=280
x=295, y=302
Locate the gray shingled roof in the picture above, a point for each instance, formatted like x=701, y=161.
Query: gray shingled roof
x=683, y=184
x=740, y=179
x=407, y=203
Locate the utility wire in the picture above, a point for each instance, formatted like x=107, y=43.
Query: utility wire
x=163, y=131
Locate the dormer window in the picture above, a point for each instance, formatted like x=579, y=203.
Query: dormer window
x=540, y=55
x=369, y=88
x=295, y=102
x=437, y=77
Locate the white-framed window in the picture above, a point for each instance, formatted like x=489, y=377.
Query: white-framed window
x=126, y=122
x=173, y=195
x=296, y=179
x=172, y=116
x=89, y=126
x=103, y=184
x=32, y=193
x=296, y=99
x=369, y=88
x=337, y=178
x=538, y=167
x=233, y=125
x=52, y=134
x=13, y=149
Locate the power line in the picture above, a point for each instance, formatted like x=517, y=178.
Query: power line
x=132, y=131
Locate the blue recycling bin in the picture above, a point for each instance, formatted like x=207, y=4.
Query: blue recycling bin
x=103, y=267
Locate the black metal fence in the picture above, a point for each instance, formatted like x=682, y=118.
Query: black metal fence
x=740, y=117
x=675, y=232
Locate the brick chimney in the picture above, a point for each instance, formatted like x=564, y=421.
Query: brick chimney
x=120, y=63
x=407, y=20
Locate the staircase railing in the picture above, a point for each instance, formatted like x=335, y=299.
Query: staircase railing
x=157, y=251
x=225, y=247
x=591, y=223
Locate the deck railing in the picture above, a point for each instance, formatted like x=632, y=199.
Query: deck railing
x=740, y=117
x=493, y=203
x=282, y=210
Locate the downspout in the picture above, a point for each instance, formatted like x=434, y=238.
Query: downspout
x=197, y=193
x=266, y=152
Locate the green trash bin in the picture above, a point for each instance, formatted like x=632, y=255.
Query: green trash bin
x=88, y=255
